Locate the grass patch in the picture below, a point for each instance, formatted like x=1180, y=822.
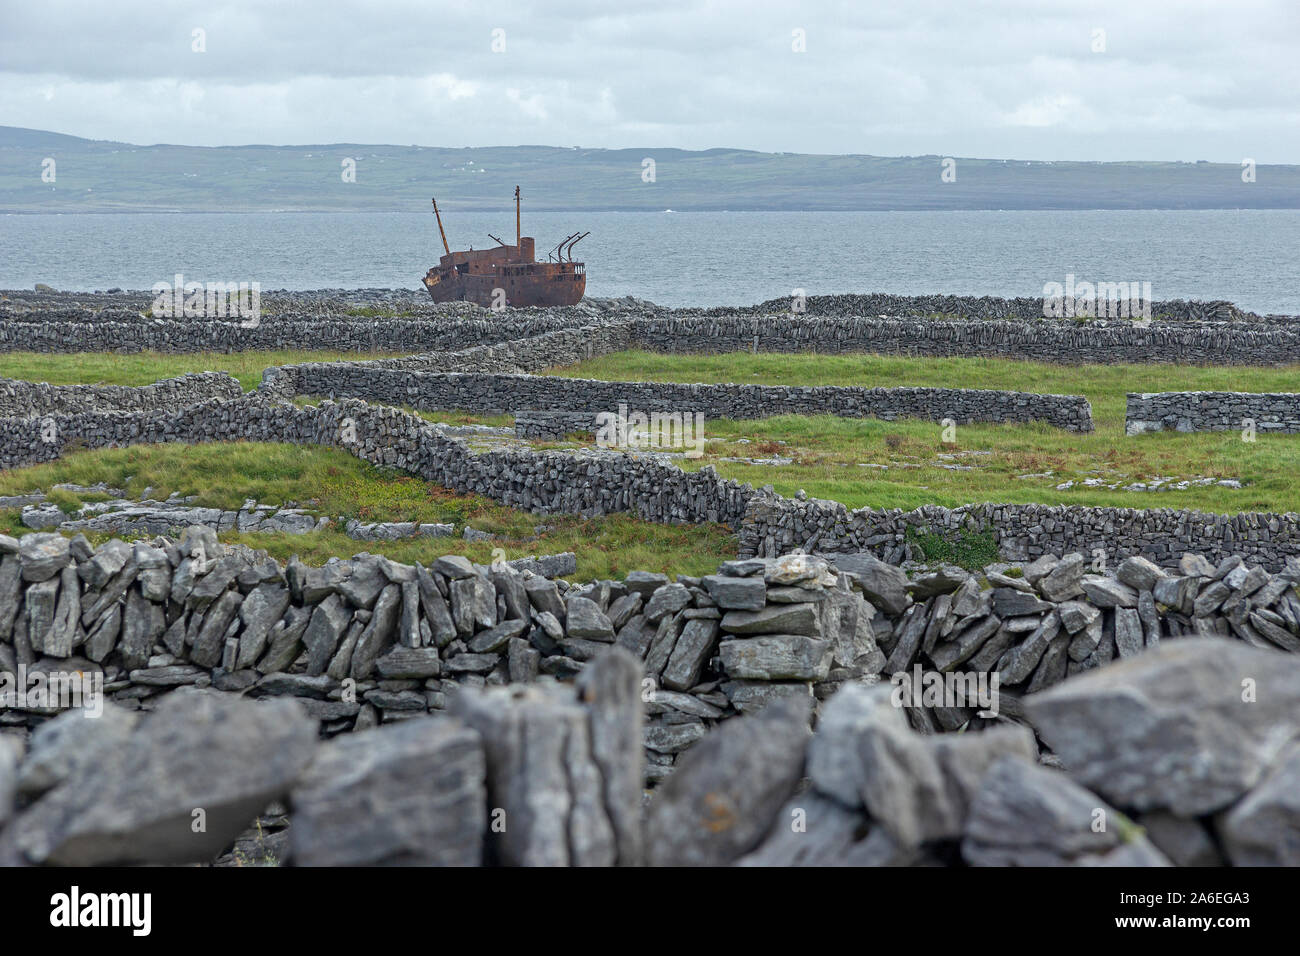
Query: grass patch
x=331, y=482
x=969, y=550
x=1104, y=386
x=144, y=368
x=841, y=458
x=66, y=501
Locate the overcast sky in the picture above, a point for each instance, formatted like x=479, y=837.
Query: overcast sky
x=1177, y=79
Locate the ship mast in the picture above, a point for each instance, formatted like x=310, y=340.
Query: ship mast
x=518, y=232
x=440, y=229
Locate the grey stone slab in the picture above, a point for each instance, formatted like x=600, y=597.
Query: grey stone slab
x=776, y=657
x=198, y=751
x=411, y=794
x=727, y=789
x=1189, y=726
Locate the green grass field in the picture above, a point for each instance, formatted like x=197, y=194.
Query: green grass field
x=1103, y=385
x=830, y=457
x=829, y=454
x=331, y=482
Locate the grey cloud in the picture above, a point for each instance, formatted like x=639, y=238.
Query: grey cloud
x=1010, y=78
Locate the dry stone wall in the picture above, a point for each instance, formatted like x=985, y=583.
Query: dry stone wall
x=1277, y=412
x=1045, y=340
x=495, y=393
x=774, y=525
x=395, y=378
x=1183, y=332
x=126, y=331
x=404, y=669
x=603, y=482
x=21, y=399
x=546, y=425
x=983, y=308
x=182, y=636
x=369, y=640
x=588, y=483
x=87, y=304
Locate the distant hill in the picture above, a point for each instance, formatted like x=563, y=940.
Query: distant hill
x=102, y=176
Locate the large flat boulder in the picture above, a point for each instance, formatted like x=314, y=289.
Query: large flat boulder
x=74, y=739
x=1026, y=815
x=180, y=789
x=409, y=794
x=1189, y=726
x=726, y=791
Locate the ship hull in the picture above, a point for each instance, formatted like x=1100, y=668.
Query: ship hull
x=554, y=287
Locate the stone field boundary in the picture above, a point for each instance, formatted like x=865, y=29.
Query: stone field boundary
x=652, y=488
x=22, y=399
x=1182, y=332
x=496, y=393
x=1276, y=412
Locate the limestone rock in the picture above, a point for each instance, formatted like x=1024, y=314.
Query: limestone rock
x=864, y=755
x=776, y=657
x=725, y=793
x=1026, y=815
x=43, y=555
x=1169, y=729
x=72, y=740
x=1263, y=829
x=408, y=794
x=198, y=751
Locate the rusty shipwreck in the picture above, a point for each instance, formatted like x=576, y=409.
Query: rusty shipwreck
x=508, y=275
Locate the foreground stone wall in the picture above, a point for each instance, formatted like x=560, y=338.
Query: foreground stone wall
x=369, y=640
x=1212, y=412
x=495, y=393
x=21, y=399
x=179, y=631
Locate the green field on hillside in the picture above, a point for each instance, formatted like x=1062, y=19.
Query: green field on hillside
x=101, y=175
